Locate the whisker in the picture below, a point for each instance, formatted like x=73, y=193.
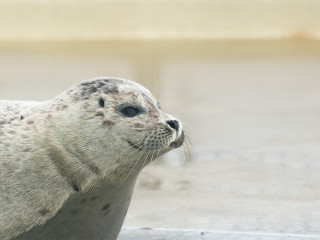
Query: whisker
x=186, y=149
x=155, y=88
x=132, y=168
x=146, y=159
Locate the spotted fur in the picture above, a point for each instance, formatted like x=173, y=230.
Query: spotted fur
x=51, y=150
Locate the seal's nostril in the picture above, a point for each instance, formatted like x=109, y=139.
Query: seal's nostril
x=173, y=124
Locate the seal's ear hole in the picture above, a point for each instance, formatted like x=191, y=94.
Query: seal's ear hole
x=101, y=102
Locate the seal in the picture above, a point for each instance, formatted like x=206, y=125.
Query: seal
x=68, y=163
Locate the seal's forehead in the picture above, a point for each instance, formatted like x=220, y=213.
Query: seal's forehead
x=107, y=85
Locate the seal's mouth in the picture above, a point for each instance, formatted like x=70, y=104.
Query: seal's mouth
x=176, y=144
x=179, y=142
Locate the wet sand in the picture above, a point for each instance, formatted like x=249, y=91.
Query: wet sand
x=251, y=110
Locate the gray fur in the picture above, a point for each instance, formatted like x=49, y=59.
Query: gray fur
x=52, y=150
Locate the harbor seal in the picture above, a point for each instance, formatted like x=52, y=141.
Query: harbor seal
x=68, y=165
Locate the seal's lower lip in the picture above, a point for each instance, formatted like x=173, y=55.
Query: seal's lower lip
x=179, y=142
x=174, y=144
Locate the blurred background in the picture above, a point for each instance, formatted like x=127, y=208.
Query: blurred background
x=242, y=76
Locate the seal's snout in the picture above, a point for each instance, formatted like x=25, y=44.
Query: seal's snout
x=173, y=124
x=177, y=127
x=179, y=141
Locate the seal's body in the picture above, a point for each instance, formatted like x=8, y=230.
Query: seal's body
x=100, y=133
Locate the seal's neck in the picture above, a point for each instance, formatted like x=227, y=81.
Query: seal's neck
x=69, y=162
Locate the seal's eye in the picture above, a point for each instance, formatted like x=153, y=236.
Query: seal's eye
x=130, y=111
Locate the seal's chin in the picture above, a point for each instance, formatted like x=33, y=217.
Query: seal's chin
x=178, y=142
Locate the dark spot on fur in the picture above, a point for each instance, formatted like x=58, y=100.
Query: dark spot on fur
x=85, y=98
x=86, y=105
x=100, y=84
x=93, y=89
x=85, y=84
x=106, y=209
x=109, y=123
x=3, y=122
x=30, y=122
x=94, y=198
x=44, y=212
x=112, y=90
x=76, y=98
x=64, y=106
x=76, y=188
x=138, y=125
x=99, y=114
x=83, y=201
x=70, y=91
x=147, y=99
x=21, y=118
x=153, y=114
x=86, y=89
x=134, y=97
x=49, y=116
x=101, y=102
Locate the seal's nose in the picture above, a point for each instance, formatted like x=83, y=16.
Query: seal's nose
x=173, y=124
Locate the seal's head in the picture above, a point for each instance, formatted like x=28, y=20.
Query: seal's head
x=116, y=125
